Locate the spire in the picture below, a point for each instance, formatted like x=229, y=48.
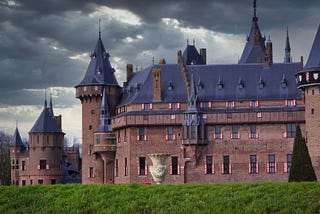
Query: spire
x=104, y=114
x=16, y=139
x=287, y=57
x=255, y=18
x=254, y=49
x=193, y=95
x=99, y=30
x=99, y=71
x=50, y=105
x=45, y=99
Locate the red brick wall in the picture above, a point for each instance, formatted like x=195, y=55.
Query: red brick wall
x=312, y=101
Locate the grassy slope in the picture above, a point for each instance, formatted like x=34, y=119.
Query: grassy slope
x=189, y=198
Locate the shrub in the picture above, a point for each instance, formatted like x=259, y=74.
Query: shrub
x=301, y=168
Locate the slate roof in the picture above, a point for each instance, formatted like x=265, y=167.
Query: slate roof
x=254, y=51
x=314, y=57
x=104, y=125
x=16, y=139
x=100, y=71
x=207, y=77
x=45, y=122
x=191, y=55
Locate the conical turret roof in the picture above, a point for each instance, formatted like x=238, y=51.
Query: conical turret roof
x=16, y=139
x=313, y=62
x=45, y=122
x=100, y=71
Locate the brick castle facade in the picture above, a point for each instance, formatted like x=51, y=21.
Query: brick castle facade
x=219, y=123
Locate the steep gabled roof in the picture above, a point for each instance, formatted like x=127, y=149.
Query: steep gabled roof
x=254, y=50
x=45, y=122
x=16, y=139
x=191, y=55
x=314, y=57
x=100, y=71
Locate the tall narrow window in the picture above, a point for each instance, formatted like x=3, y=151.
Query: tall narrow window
x=287, y=165
x=15, y=163
x=271, y=166
x=142, y=166
x=230, y=104
x=170, y=135
x=253, y=132
x=125, y=135
x=174, y=165
x=141, y=135
x=91, y=172
x=254, y=104
x=117, y=168
x=226, y=166
x=235, y=133
x=209, y=165
x=125, y=166
x=42, y=164
x=193, y=132
x=253, y=166
x=23, y=165
x=217, y=132
x=290, y=130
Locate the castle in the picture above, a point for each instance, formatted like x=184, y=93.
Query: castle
x=219, y=123
x=45, y=159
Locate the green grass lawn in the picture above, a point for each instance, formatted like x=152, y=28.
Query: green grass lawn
x=188, y=198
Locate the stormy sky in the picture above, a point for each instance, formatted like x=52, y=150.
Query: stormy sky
x=46, y=44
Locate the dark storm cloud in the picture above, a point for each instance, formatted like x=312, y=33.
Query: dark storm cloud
x=37, y=38
x=219, y=15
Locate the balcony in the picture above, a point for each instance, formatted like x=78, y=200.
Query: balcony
x=100, y=148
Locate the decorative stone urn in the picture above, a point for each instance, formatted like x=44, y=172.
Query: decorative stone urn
x=158, y=170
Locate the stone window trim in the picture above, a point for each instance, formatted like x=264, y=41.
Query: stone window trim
x=142, y=166
x=209, y=165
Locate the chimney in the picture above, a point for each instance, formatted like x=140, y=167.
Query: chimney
x=203, y=54
x=129, y=72
x=268, y=59
x=156, y=79
x=58, y=120
x=301, y=62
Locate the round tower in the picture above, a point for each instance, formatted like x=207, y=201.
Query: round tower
x=46, y=141
x=309, y=82
x=99, y=76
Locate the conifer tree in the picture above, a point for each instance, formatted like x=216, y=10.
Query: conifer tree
x=301, y=168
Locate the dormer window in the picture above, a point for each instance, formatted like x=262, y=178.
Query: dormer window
x=284, y=83
x=220, y=86
x=199, y=85
x=170, y=86
x=93, y=55
x=138, y=86
x=240, y=84
x=261, y=83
